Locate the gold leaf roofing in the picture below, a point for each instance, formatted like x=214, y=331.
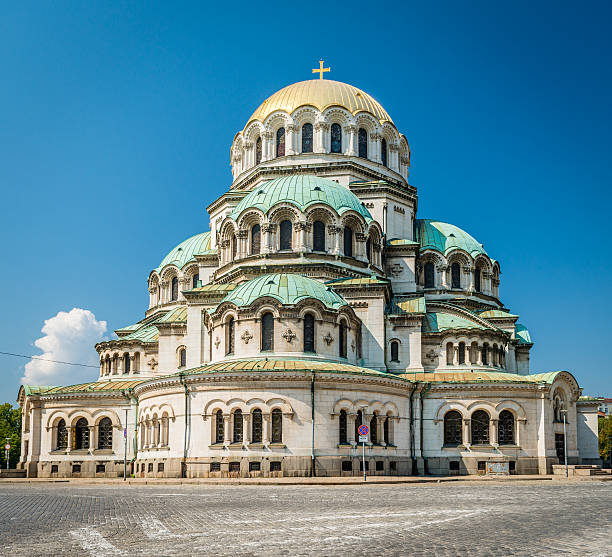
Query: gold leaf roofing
x=321, y=93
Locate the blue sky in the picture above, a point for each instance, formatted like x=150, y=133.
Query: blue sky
x=117, y=121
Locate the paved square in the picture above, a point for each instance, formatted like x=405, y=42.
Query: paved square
x=476, y=519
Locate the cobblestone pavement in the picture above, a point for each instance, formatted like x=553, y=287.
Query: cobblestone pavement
x=475, y=519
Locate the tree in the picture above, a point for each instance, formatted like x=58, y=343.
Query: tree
x=10, y=427
x=605, y=433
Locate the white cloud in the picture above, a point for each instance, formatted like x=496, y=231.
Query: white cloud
x=69, y=337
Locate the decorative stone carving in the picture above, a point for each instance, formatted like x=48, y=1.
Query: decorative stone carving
x=328, y=338
x=395, y=270
x=289, y=335
x=152, y=363
x=217, y=342
x=246, y=336
x=432, y=356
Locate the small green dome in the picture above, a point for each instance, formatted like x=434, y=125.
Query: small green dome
x=302, y=191
x=288, y=289
x=185, y=251
x=444, y=237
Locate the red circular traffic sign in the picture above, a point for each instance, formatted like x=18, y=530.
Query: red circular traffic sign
x=363, y=430
x=7, y=447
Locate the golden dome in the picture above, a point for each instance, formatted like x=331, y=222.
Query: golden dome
x=320, y=93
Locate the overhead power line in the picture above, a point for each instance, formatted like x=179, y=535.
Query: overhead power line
x=46, y=360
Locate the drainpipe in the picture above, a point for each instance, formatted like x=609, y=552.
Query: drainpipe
x=313, y=472
x=129, y=394
x=421, y=395
x=411, y=414
x=184, y=463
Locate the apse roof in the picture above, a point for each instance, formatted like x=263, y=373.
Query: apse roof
x=444, y=237
x=522, y=334
x=301, y=191
x=186, y=250
x=436, y=322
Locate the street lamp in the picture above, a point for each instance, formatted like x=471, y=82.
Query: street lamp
x=564, y=412
x=363, y=407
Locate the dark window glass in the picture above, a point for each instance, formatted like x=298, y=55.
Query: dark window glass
x=560, y=447
x=234, y=466
x=347, y=466
x=76, y=468
x=380, y=466
x=485, y=355
x=455, y=276
x=215, y=467
x=318, y=232
x=342, y=343
x=336, y=138
x=254, y=466
x=358, y=422
x=267, y=331
x=105, y=434
x=195, y=280
x=219, y=427
x=182, y=357
x=258, y=150
x=81, y=435
x=160, y=466
x=348, y=241
x=234, y=246
x=362, y=139
x=255, y=239
x=462, y=352
x=229, y=343
x=280, y=142
x=309, y=333
x=54, y=468
x=452, y=428
x=174, y=289
x=342, y=434
x=395, y=351
x=286, y=231
x=453, y=466
x=275, y=466
x=307, y=138
x=374, y=429
x=257, y=430
x=480, y=428
x=126, y=363
x=477, y=274
x=386, y=430
x=238, y=422
x=277, y=426
x=506, y=428
x=62, y=435
x=429, y=275
x=369, y=249
x=383, y=151
x=393, y=466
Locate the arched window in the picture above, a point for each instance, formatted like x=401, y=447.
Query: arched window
x=358, y=422
x=452, y=428
x=280, y=142
x=477, y=275
x=480, y=428
x=428, y=271
x=374, y=429
x=369, y=250
x=394, y=351
x=348, y=241
x=307, y=138
x=219, y=427
x=485, y=354
x=342, y=343
x=230, y=336
x=174, y=289
x=257, y=427
x=505, y=431
x=255, y=239
x=234, y=246
x=342, y=423
x=182, y=357
x=362, y=140
x=318, y=236
x=286, y=232
x=126, y=363
x=258, y=150
x=450, y=354
x=309, y=333
x=383, y=151
x=336, y=138
x=81, y=435
x=62, y=435
x=386, y=437
x=238, y=423
x=461, y=353
x=277, y=426
x=267, y=331
x=105, y=434
x=194, y=280
x=455, y=275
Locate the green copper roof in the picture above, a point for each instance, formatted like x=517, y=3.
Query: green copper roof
x=402, y=306
x=401, y=242
x=481, y=377
x=444, y=237
x=185, y=251
x=362, y=281
x=436, y=322
x=177, y=315
x=522, y=334
x=286, y=288
x=496, y=314
x=302, y=191
x=93, y=387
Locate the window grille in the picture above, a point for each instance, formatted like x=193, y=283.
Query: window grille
x=307, y=138
x=255, y=239
x=505, y=432
x=238, y=423
x=81, y=435
x=258, y=150
x=219, y=427
x=62, y=435
x=280, y=142
x=336, y=138
x=342, y=423
x=277, y=426
x=231, y=333
x=174, y=289
x=257, y=426
x=267, y=331
x=453, y=428
x=480, y=428
x=105, y=434
x=309, y=333
x=362, y=139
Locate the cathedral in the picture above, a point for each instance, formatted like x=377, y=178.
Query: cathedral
x=311, y=302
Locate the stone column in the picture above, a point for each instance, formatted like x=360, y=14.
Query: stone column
x=375, y=143
x=350, y=424
x=300, y=228
x=164, y=290
x=132, y=363
x=380, y=428
x=394, y=156
x=351, y=132
x=268, y=230
x=360, y=242
x=443, y=273
x=335, y=232
x=70, y=438
x=227, y=432
x=467, y=434
x=478, y=355
x=248, y=155
x=320, y=130
x=267, y=146
x=493, y=432
x=265, y=429
x=290, y=135
x=246, y=428
x=242, y=237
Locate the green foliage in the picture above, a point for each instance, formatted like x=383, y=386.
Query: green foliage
x=10, y=426
x=605, y=432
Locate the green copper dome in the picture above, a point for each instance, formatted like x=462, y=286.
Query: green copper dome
x=444, y=237
x=302, y=191
x=185, y=251
x=288, y=289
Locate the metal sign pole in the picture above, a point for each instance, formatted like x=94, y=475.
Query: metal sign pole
x=565, y=444
x=363, y=456
x=125, y=446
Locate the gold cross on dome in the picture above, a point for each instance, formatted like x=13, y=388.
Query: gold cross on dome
x=321, y=69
